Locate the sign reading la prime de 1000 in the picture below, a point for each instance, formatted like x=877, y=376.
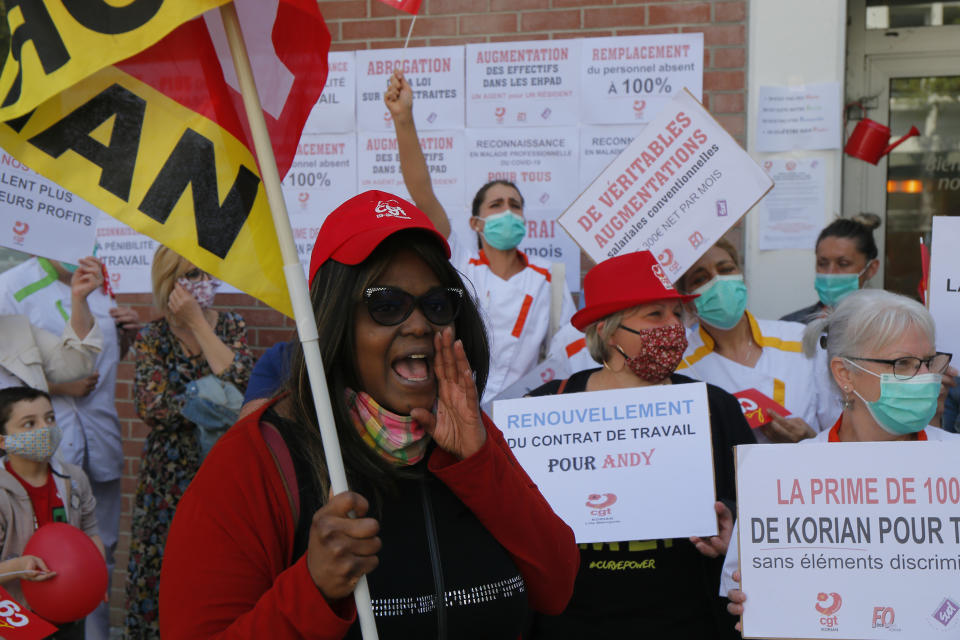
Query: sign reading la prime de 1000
x=850, y=540
x=621, y=464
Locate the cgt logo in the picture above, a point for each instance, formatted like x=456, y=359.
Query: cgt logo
x=499, y=113
x=303, y=198
x=883, y=617
x=827, y=606
x=390, y=209
x=638, y=107
x=661, y=276
x=600, y=503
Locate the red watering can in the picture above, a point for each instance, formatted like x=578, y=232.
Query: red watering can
x=869, y=141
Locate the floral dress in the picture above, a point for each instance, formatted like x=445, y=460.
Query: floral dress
x=171, y=454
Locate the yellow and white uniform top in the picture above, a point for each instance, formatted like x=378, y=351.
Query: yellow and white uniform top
x=783, y=373
x=516, y=313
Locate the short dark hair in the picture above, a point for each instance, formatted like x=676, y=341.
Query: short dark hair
x=859, y=229
x=482, y=193
x=336, y=294
x=11, y=396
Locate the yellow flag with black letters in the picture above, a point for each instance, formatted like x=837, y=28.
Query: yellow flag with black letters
x=158, y=139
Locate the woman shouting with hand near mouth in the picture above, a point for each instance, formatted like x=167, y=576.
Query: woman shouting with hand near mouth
x=456, y=539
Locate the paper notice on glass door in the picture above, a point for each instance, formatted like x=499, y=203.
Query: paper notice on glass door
x=792, y=214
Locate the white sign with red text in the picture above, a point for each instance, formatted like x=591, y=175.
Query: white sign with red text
x=40, y=217
x=850, y=540
x=944, y=285
x=523, y=84
x=378, y=164
x=628, y=79
x=678, y=187
x=622, y=464
x=435, y=75
x=600, y=145
x=541, y=162
x=323, y=175
x=335, y=111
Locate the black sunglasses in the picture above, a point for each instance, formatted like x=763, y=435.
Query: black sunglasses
x=390, y=306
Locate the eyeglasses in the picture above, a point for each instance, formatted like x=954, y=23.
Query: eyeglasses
x=908, y=366
x=196, y=275
x=390, y=306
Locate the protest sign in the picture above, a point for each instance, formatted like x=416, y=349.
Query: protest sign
x=599, y=146
x=39, y=217
x=323, y=174
x=435, y=74
x=335, y=111
x=629, y=79
x=523, y=84
x=850, y=540
x=622, y=464
x=127, y=255
x=945, y=280
x=378, y=164
x=541, y=162
x=678, y=187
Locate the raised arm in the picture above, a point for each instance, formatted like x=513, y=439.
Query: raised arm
x=399, y=100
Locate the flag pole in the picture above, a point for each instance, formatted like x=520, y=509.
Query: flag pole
x=296, y=284
x=409, y=31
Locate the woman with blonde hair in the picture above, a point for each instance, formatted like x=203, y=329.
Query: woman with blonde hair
x=189, y=341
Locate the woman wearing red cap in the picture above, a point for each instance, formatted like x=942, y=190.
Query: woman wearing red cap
x=514, y=293
x=661, y=588
x=456, y=540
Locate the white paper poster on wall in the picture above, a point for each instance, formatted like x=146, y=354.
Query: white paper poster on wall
x=127, y=255
x=40, y=217
x=323, y=175
x=799, y=117
x=945, y=281
x=523, y=84
x=435, y=74
x=335, y=111
x=378, y=163
x=541, y=162
x=600, y=145
x=791, y=215
x=546, y=242
x=628, y=79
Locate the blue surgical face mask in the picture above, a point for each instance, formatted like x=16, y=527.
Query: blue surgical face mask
x=904, y=406
x=504, y=230
x=834, y=287
x=69, y=267
x=722, y=301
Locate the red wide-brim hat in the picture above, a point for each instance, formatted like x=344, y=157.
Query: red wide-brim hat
x=623, y=282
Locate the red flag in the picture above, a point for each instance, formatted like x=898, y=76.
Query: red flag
x=410, y=6
x=18, y=623
x=924, y=272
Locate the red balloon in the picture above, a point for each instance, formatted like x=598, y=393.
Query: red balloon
x=81, y=580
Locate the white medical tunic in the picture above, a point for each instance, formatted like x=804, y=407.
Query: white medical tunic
x=90, y=425
x=782, y=373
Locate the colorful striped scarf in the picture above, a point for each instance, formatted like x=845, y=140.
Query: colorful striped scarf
x=397, y=439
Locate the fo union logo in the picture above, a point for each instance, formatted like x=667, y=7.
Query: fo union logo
x=600, y=503
x=827, y=606
x=883, y=618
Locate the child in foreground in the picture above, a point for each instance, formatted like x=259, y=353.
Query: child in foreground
x=36, y=489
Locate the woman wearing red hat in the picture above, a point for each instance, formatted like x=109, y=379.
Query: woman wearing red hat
x=662, y=588
x=455, y=539
x=514, y=293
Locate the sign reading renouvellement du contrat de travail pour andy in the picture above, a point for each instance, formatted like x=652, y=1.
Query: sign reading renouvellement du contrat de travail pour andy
x=622, y=464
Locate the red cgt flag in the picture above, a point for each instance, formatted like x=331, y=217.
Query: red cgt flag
x=410, y=6
x=18, y=623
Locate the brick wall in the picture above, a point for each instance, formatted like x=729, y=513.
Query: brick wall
x=363, y=24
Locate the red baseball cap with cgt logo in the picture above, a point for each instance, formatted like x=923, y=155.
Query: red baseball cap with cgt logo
x=354, y=229
x=623, y=282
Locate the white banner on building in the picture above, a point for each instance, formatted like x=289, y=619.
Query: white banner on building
x=678, y=187
x=40, y=217
x=523, y=84
x=629, y=79
x=541, y=162
x=435, y=74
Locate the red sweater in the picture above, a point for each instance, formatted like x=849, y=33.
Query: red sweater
x=227, y=572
